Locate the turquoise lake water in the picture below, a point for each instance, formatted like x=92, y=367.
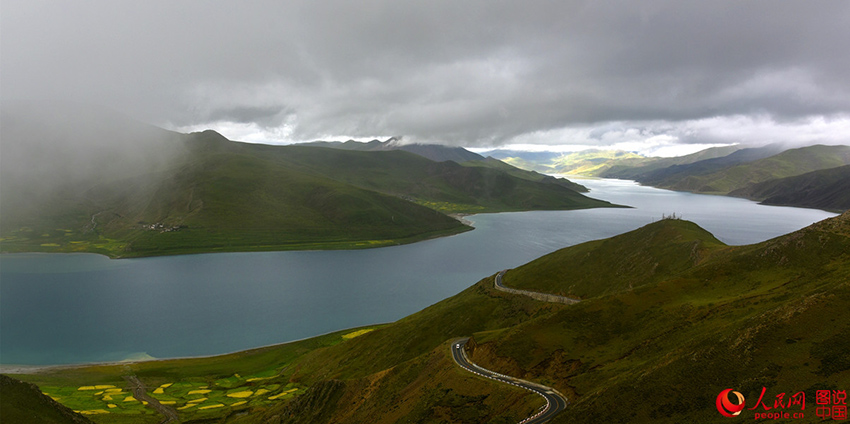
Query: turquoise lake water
x=75, y=308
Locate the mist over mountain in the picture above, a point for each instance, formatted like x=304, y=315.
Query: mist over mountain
x=435, y=152
x=90, y=180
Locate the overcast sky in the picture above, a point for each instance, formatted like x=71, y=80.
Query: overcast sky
x=642, y=75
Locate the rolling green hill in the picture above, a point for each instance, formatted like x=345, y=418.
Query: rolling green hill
x=700, y=163
x=113, y=186
x=446, y=186
x=630, y=170
x=649, y=254
x=827, y=189
x=658, y=334
x=769, y=315
x=720, y=178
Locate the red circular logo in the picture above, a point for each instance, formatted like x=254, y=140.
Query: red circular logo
x=726, y=407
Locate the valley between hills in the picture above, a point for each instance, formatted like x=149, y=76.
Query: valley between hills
x=810, y=177
x=669, y=316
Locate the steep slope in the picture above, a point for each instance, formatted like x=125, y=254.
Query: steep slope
x=439, y=153
x=649, y=254
x=827, y=189
x=24, y=403
x=718, y=176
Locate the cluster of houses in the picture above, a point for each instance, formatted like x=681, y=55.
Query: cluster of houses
x=162, y=228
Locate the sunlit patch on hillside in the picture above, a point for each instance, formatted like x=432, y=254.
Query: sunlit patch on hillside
x=354, y=334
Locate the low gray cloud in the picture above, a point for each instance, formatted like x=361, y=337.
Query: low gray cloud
x=474, y=73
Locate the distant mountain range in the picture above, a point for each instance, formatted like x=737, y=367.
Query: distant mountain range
x=435, y=152
x=99, y=182
x=745, y=167
x=595, y=162
x=763, y=173
x=666, y=310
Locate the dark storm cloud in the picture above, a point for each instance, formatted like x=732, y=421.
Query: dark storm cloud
x=472, y=73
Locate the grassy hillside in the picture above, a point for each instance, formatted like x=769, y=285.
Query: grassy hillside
x=771, y=315
x=827, y=189
x=649, y=254
x=690, y=169
x=678, y=319
x=630, y=170
x=222, y=197
x=721, y=178
x=24, y=403
x=146, y=191
x=445, y=186
x=525, y=174
x=190, y=384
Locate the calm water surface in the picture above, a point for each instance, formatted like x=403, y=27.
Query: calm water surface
x=73, y=308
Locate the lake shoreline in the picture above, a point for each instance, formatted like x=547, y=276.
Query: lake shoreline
x=14, y=369
x=73, y=309
x=467, y=226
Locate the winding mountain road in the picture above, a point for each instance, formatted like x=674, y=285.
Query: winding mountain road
x=555, y=402
x=543, y=297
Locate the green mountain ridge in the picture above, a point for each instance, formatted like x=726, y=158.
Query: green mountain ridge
x=827, y=189
x=435, y=152
x=755, y=173
x=221, y=198
x=677, y=319
x=699, y=166
x=127, y=189
x=603, y=163
x=727, y=179
x=631, y=170
x=622, y=262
